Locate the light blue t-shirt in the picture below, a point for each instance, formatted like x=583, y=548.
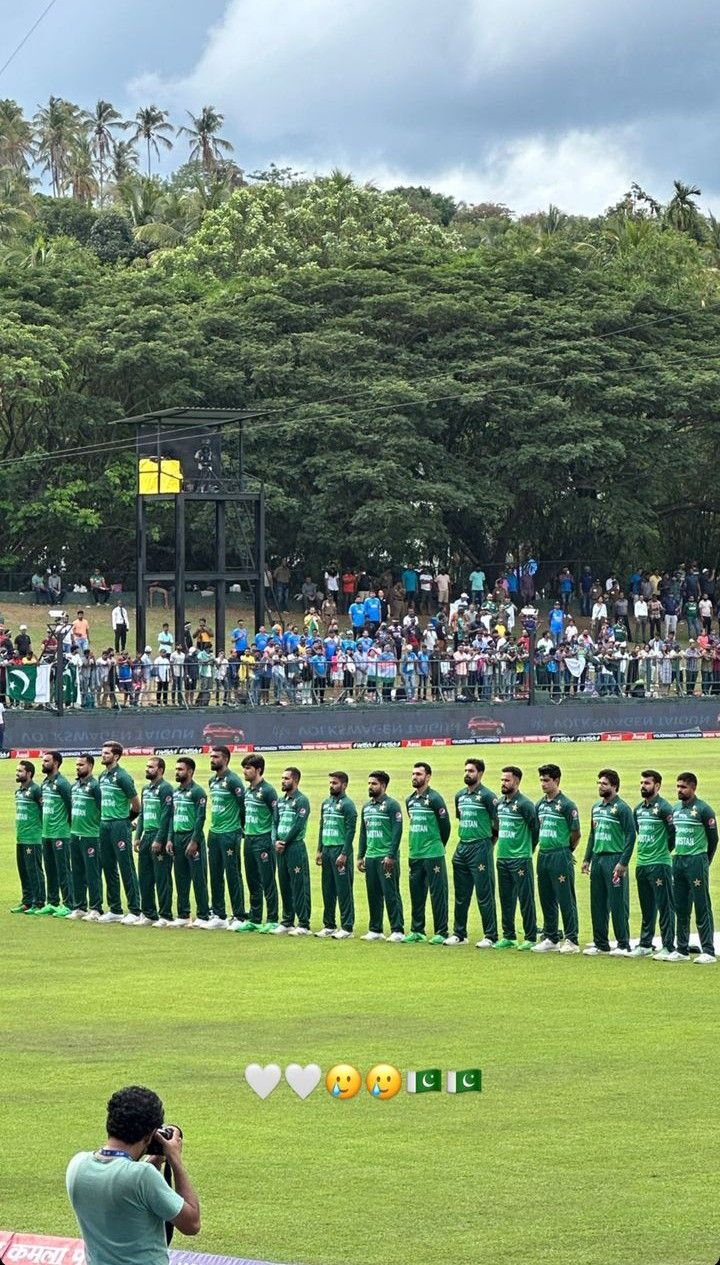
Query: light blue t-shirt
x=121, y=1206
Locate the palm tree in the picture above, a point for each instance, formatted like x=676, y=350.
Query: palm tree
x=14, y=216
x=58, y=128
x=683, y=212
x=16, y=138
x=81, y=171
x=124, y=161
x=100, y=123
x=151, y=125
x=206, y=146
x=141, y=199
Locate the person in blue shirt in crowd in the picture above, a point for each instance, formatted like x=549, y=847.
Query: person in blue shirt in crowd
x=373, y=612
x=262, y=637
x=319, y=665
x=331, y=644
x=239, y=636
x=410, y=584
x=409, y=667
x=557, y=622
x=423, y=662
x=357, y=616
x=291, y=640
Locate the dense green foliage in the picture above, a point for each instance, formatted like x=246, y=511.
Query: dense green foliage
x=434, y=378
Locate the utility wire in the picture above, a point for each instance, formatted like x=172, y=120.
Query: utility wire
x=25, y=38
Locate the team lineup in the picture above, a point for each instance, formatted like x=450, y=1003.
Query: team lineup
x=75, y=839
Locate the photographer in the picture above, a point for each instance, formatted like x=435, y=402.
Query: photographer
x=122, y=1204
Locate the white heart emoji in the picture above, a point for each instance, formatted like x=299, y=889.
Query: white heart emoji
x=303, y=1079
x=263, y=1080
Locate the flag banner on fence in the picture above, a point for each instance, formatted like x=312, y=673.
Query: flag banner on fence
x=428, y=1081
x=56, y=1251
x=70, y=685
x=42, y=683
x=467, y=1082
x=22, y=683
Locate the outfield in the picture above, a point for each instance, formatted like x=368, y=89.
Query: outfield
x=594, y=1139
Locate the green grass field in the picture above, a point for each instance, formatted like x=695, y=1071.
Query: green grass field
x=594, y=1139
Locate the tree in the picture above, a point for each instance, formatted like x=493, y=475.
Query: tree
x=101, y=122
x=206, y=146
x=16, y=206
x=124, y=161
x=683, y=212
x=16, y=138
x=439, y=208
x=81, y=172
x=58, y=130
x=152, y=126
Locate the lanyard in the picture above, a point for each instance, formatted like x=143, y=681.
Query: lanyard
x=109, y=1153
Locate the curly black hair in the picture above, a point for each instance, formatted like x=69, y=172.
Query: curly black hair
x=134, y=1112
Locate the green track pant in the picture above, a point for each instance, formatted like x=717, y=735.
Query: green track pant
x=294, y=878
x=337, y=887
x=224, y=865
x=657, y=897
x=56, y=856
x=691, y=876
x=429, y=874
x=190, y=872
x=85, y=865
x=260, y=872
x=516, y=884
x=474, y=871
x=556, y=892
x=154, y=876
x=608, y=900
x=116, y=859
x=383, y=892
x=32, y=879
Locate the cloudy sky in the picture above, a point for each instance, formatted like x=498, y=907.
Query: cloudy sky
x=519, y=101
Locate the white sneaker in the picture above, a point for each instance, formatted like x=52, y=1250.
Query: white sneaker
x=108, y=917
x=299, y=931
x=453, y=940
x=76, y=915
x=130, y=920
x=619, y=953
x=375, y=935
x=280, y=930
x=485, y=943
x=199, y=924
x=592, y=951
x=397, y=937
x=342, y=934
x=705, y=959
x=92, y=916
x=569, y=947
x=233, y=924
x=162, y=922
x=325, y=934
x=142, y=921
x=546, y=946
x=211, y=924
x=180, y=922
x=677, y=956
x=640, y=952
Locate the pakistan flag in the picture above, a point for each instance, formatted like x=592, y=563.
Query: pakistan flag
x=31, y=683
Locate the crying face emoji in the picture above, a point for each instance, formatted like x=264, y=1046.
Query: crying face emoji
x=383, y=1081
x=343, y=1081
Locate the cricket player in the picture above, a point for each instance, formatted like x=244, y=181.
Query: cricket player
x=28, y=838
x=338, y=823
x=293, y=811
x=428, y=834
x=381, y=824
x=473, y=861
x=152, y=830
x=653, y=868
x=696, y=840
x=186, y=846
x=517, y=840
x=227, y=814
x=57, y=799
x=607, y=856
x=558, y=837
x=120, y=806
x=260, y=856
x=85, y=841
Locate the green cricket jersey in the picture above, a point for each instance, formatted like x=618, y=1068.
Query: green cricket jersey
x=338, y=822
x=612, y=829
x=227, y=804
x=28, y=814
x=292, y=817
x=156, y=807
x=117, y=790
x=56, y=802
x=476, y=812
x=695, y=828
x=188, y=813
x=85, y=811
x=558, y=819
x=654, y=821
x=260, y=805
x=380, y=828
x=429, y=825
x=517, y=827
